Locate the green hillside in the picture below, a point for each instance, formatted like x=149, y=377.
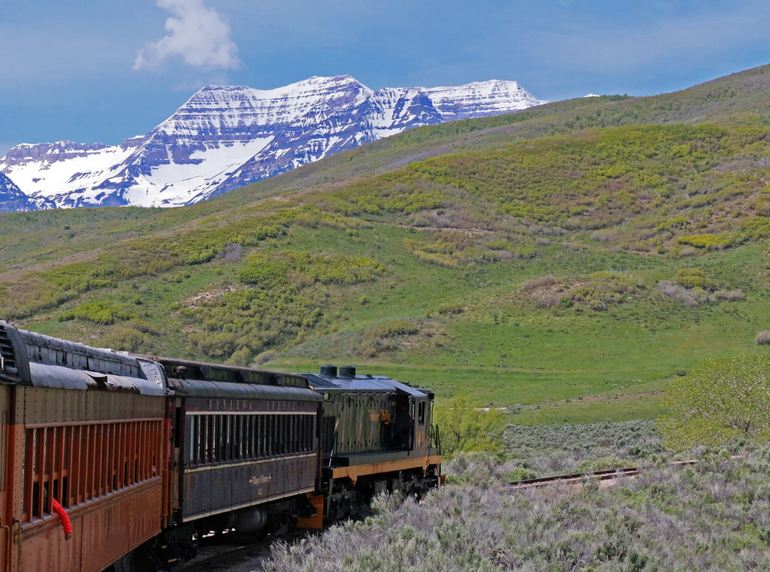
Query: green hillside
x=566, y=261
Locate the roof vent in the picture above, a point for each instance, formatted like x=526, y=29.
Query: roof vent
x=347, y=371
x=329, y=370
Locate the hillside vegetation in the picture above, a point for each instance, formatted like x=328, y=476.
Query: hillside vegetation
x=564, y=263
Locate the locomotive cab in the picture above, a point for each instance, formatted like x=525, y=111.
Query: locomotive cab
x=375, y=437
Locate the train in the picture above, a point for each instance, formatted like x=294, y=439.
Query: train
x=116, y=461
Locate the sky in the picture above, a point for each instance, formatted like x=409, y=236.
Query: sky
x=104, y=70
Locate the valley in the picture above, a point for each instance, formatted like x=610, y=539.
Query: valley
x=563, y=262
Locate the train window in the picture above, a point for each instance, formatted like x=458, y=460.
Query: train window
x=287, y=433
x=203, y=436
x=224, y=440
x=255, y=438
x=421, y=413
x=240, y=436
x=190, y=449
x=213, y=438
x=210, y=423
x=261, y=441
x=76, y=463
x=251, y=437
x=262, y=436
x=243, y=437
x=300, y=424
x=231, y=442
x=293, y=433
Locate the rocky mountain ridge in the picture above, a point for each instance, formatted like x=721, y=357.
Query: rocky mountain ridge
x=225, y=137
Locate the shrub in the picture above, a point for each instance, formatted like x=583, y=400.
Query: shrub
x=678, y=293
x=102, y=312
x=383, y=337
x=719, y=402
x=265, y=357
x=451, y=309
x=763, y=338
x=604, y=288
x=729, y=295
x=547, y=299
x=709, y=241
x=467, y=428
x=693, y=278
x=538, y=283
x=268, y=269
x=232, y=253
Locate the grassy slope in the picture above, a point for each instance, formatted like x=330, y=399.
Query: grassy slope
x=424, y=250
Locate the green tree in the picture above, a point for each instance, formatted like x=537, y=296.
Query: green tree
x=718, y=402
x=464, y=427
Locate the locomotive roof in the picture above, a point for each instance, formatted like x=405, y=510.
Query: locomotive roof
x=364, y=383
x=45, y=361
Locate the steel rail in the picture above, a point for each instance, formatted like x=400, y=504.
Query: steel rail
x=603, y=475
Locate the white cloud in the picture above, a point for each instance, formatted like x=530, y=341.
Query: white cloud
x=195, y=33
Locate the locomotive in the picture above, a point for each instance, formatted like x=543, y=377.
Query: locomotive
x=110, y=460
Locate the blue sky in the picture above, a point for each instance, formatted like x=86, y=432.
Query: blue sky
x=103, y=70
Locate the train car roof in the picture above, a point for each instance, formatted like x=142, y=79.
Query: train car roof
x=188, y=378
x=45, y=361
x=363, y=383
x=190, y=370
x=230, y=390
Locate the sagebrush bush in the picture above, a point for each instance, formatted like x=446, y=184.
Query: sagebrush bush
x=384, y=337
x=762, y=338
x=713, y=516
x=538, y=283
x=553, y=449
x=678, y=293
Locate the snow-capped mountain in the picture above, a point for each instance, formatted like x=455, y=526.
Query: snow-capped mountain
x=225, y=137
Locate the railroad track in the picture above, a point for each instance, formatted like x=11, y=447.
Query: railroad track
x=579, y=478
x=230, y=553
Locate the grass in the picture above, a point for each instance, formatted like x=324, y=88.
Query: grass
x=564, y=263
